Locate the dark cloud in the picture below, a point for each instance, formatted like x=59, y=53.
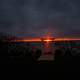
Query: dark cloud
x=60, y=17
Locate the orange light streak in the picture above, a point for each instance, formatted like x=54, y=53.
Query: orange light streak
x=46, y=40
x=67, y=39
x=28, y=40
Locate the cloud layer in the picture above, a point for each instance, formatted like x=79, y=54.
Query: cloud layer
x=60, y=17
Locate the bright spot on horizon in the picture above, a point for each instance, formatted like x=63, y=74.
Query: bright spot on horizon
x=48, y=40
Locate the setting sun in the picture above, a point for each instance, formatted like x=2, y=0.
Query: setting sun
x=48, y=40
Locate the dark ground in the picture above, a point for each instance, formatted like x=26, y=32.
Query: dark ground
x=19, y=55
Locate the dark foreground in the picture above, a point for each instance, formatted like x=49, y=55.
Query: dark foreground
x=72, y=65
x=66, y=59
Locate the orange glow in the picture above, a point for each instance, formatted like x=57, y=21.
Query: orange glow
x=46, y=39
x=66, y=39
x=28, y=40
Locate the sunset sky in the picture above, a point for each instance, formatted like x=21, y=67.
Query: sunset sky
x=39, y=17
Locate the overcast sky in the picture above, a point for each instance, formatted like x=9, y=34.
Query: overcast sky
x=39, y=17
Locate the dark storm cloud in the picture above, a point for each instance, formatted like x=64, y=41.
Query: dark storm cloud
x=60, y=17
